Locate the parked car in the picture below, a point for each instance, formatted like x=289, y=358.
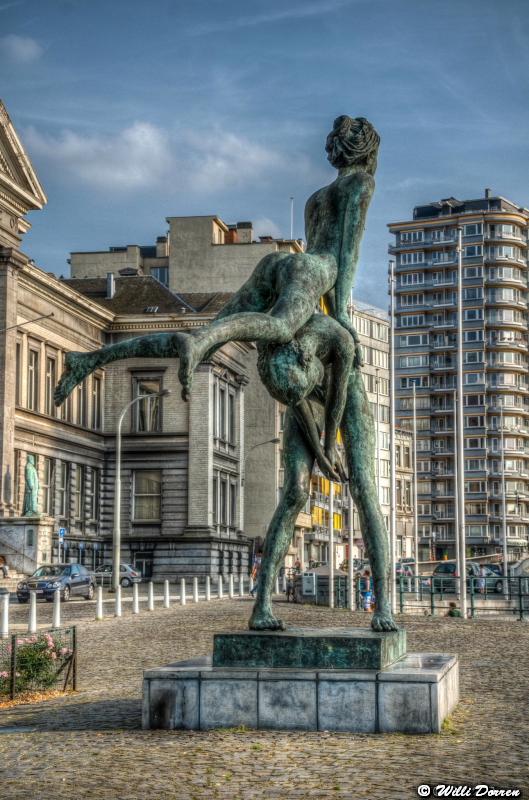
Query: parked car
x=445, y=577
x=127, y=574
x=72, y=580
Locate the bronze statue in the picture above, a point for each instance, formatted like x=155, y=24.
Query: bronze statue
x=306, y=360
x=30, y=506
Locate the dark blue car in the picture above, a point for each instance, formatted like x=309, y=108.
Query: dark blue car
x=73, y=580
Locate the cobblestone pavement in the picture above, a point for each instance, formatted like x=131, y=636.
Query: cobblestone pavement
x=90, y=745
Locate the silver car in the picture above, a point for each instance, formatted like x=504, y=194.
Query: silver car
x=127, y=574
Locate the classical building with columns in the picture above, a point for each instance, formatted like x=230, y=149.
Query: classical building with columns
x=182, y=505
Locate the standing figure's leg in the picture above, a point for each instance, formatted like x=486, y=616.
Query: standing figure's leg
x=298, y=468
x=359, y=438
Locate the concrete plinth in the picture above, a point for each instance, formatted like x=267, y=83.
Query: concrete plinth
x=412, y=695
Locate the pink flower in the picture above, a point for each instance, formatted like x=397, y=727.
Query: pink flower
x=53, y=655
x=4, y=674
x=64, y=651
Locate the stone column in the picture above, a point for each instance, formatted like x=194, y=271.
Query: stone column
x=10, y=262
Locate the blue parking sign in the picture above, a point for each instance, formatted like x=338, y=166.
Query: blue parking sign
x=62, y=533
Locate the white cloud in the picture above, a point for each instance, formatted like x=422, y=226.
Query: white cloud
x=221, y=158
x=263, y=226
x=143, y=156
x=250, y=21
x=138, y=156
x=20, y=49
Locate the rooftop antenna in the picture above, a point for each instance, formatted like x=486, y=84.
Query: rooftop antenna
x=291, y=217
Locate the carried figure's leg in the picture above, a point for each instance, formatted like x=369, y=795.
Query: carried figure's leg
x=359, y=438
x=294, y=289
x=298, y=467
x=79, y=365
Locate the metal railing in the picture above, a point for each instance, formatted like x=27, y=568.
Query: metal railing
x=39, y=662
x=492, y=594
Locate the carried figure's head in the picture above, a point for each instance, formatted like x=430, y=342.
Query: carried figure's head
x=353, y=142
x=289, y=373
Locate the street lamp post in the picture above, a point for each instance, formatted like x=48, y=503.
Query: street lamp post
x=276, y=440
x=116, y=541
x=392, y=445
x=504, y=506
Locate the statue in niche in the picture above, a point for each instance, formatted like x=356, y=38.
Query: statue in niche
x=30, y=506
x=307, y=360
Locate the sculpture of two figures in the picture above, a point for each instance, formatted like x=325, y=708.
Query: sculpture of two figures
x=307, y=360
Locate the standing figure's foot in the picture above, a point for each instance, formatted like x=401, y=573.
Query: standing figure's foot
x=264, y=620
x=76, y=367
x=382, y=620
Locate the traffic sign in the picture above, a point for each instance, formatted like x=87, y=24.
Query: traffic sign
x=62, y=533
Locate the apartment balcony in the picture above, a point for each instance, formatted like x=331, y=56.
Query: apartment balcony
x=515, y=238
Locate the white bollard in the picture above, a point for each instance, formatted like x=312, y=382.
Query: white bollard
x=135, y=598
x=284, y=582
x=195, y=589
x=221, y=589
x=230, y=586
x=117, y=603
x=150, y=596
x=166, y=594
x=56, y=623
x=99, y=603
x=4, y=631
x=32, y=623
x=250, y=587
x=183, y=592
x=208, y=588
x=277, y=585
x=241, y=585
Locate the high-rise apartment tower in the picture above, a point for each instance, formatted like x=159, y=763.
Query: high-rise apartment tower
x=495, y=367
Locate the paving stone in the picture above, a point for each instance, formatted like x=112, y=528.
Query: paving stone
x=91, y=746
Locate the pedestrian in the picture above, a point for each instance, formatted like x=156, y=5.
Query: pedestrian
x=453, y=610
x=366, y=589
x=256, y=569
x=5, y=569
x=290, y=587
x=482, y=579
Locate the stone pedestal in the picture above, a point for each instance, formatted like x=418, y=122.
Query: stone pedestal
x=309, y=648
x=410, y=694
x=26, y=542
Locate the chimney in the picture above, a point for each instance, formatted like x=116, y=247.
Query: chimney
x=111, y=285
x=245, y=232
x=162, y=247
x=487, y=194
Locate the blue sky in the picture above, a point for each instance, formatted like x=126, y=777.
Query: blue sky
x=134, y=111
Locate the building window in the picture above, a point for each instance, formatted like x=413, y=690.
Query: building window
x=63, y=485
x=78, y=498
x=93, y=494
x=473, y=229
x=51, y=380
x=96, y=403
x=148, y=417
x=161, y=274
x=33, y=380
x=147, y=495
x=48, y=486
x=81, y=404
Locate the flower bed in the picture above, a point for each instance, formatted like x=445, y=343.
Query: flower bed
x=40, y=662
